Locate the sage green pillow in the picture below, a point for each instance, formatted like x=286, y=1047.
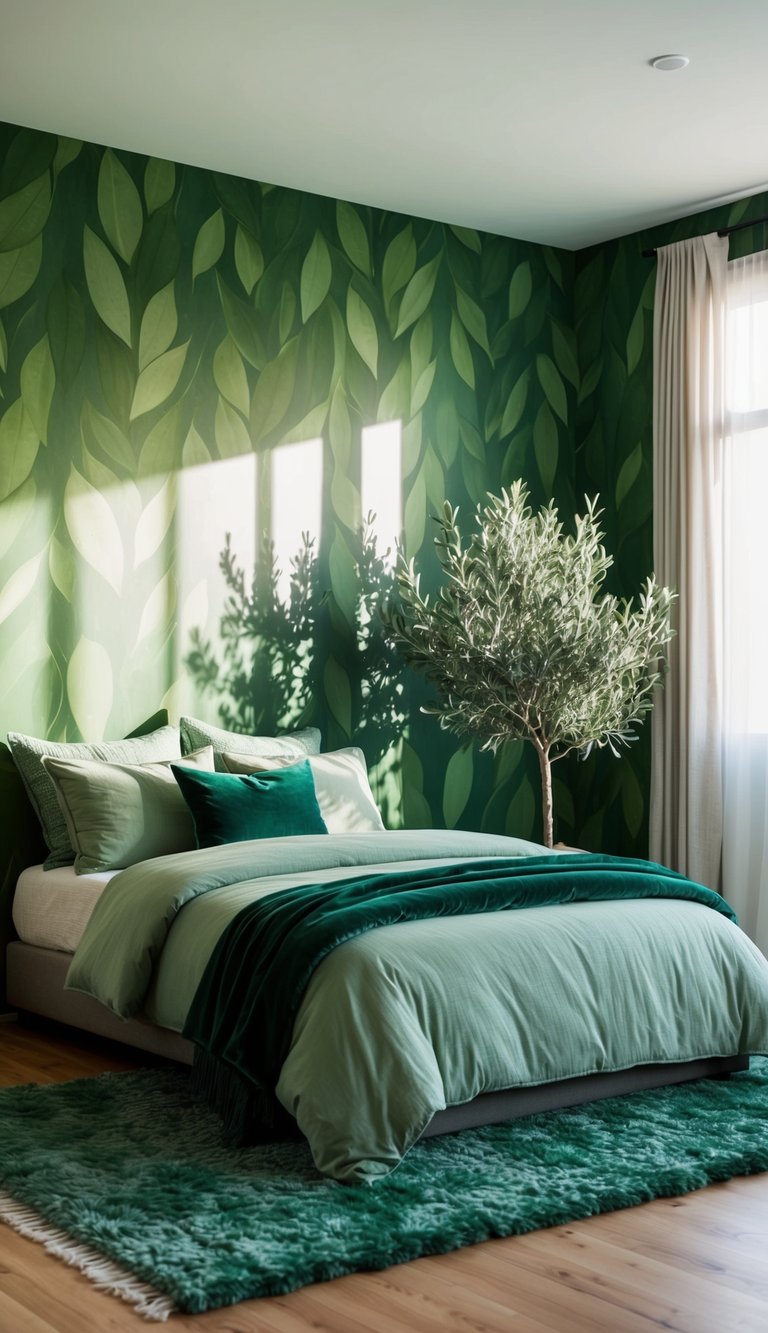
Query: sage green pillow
x=291, y=745
x=118, y=814
x=28, y=753
x=227, y=807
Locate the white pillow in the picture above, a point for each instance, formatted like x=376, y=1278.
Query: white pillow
x=341, y=785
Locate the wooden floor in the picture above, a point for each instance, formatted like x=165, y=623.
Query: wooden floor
x=698, y=1264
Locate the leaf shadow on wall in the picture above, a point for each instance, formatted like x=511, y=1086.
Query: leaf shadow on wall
x=290, y=657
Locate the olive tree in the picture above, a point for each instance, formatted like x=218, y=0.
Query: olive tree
x=521, y=641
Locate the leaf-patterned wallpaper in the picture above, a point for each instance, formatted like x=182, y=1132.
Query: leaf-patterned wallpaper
x=165, y=332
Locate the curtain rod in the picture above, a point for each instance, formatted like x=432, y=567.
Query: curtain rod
x=724, y=231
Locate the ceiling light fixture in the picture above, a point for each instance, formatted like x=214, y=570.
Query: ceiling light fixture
x=669, y=62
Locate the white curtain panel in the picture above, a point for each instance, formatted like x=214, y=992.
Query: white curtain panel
x=745, y=628
x=686, y=817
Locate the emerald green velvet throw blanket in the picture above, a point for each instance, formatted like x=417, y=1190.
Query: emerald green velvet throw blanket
x=242, y=1015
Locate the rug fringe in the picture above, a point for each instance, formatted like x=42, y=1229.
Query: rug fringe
x=103, y=1273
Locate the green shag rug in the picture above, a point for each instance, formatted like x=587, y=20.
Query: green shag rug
x=126, y=1176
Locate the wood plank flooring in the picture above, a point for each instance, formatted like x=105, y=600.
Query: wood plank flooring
x=696, y=1264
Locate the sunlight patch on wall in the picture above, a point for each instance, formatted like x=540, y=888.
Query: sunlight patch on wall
x=297, y=499
x=381, y=490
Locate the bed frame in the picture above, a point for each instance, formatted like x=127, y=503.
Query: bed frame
x=36, y=986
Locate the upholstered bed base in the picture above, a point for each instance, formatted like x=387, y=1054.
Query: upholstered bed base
x=36, y=986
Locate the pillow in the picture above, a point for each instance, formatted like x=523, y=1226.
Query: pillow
x=118, y=814
x=28, y=752
x=341, y=785
x=230, y=808
x=293, y=745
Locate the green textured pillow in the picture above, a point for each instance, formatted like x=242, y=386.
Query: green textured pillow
x=28, y=752
x=231, y=808
x=118, y=814
x=292, y=745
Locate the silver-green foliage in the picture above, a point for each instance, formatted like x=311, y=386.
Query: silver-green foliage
x=521, y=642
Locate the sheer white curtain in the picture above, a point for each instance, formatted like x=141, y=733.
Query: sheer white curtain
x=745, y=598
x=686, y=773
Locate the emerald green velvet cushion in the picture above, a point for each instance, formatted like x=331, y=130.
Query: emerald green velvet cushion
x=228, y=807
x=160, y=744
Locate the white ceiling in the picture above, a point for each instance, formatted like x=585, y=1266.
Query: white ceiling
x=541, y=120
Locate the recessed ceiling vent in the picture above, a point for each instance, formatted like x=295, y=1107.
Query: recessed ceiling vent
x=669, y=62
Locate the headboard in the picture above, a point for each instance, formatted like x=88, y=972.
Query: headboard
x=21, y=838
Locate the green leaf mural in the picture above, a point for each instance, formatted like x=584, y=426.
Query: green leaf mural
x=161, y=325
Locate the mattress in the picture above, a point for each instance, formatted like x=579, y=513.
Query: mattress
x=51, y=907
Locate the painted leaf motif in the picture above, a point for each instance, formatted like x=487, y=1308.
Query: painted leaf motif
x=397, y=395
x=411, y=443
x=232, y=438
x=65, y=320
x=520, y=289
x=230, y=377
x=287, y=312
x=158, y=326
x=158, y=610
x=274, y=391
x=155, y=520
x=159, y=183
x=473, y=319
x=552, y=384
x=415, y=517
x=242, y=322
x=457, y=788
x=38, y=380
x=630, y=470
x=14, y=513
x=338, y=694
x=90, y=688
x=417, y=295
x=160, y=451
x=521, y=812
x=353, y=236
x=545, y=446
x=209, y=244
x=249, y=261
x=18, y=587
x=315, y=277
x=19, y=444
x=61, y=566
x=362, y=330
x=343, y=572
x=421, y=345
x=416, y=811
x=195, y=451
x=635, y=339
x=565, y=354
x=422, y=387
x=310, y=427
x=399, y=263
x=515, y=407
x=3, y=348
x=24, y=214
x=469, y=237
x=632, y=803
x=68, y=151
x=460, y=352
x=158, y=380
x=101, y=431
x=94, y=529
x=119, y=206
x=18, y=270
x=106, y=286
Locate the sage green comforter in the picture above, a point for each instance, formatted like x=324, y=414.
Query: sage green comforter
x=409, y=1018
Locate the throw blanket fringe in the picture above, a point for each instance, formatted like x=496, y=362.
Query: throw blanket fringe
x=102, y=1272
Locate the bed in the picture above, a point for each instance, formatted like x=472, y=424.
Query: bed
x=415, y=1027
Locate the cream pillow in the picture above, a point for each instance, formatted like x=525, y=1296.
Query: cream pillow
x=118, y=814
x=341, y=786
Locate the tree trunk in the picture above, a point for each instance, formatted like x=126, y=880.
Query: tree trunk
x=545, y=770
